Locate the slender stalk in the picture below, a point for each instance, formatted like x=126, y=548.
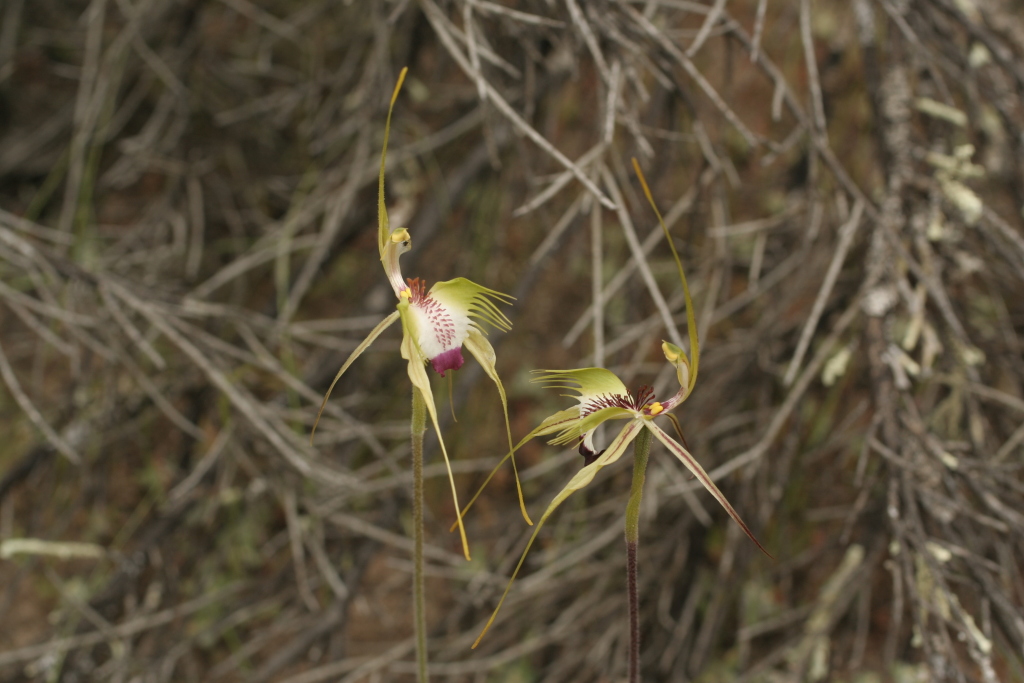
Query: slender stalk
x=641, y=449
x=419, y=426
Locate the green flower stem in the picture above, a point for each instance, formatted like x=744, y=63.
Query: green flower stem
x=641, y=450
x=419, y=426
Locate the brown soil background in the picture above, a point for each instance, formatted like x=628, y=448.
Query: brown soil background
x=187, y=220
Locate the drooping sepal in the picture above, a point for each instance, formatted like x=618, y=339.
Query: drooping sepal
x=482, y=350
x=420, y=380
x=551, y=424
x=691, y=464
x=374, y=333
x=579, y=481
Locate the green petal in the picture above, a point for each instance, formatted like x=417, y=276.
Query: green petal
x=553, y=423
x=383, y=325
x=579, y=481
x=579, y=428
x=586, y=382
x=420, y=380
x=482, y=350
x=473, y=300
x=383, y=225
x=691, y=464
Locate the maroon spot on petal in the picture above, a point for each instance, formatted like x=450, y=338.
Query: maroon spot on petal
x=643, y=397
x=589, y=455
x=449, y=360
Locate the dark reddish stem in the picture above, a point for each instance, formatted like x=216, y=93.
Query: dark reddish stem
x=634, y=613
x=641, y=449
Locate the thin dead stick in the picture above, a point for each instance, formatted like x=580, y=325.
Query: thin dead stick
x=678, y=210
x=782, y=414
x=25, y=403
x=435, y=16
x=46, y=334
x=125, y=630
x=295, y=533
x=705, y=28
x=265, y=19
x=762, y=9
x=695, y=74
x=484, y=50
x=86, y=111
x=560, y=181
x=333, y=220
x=516, y=15
x=557, y=231
x=130, y=330
x=244, y=403
x=588, y=37
x=846, y=234
x=811, y=61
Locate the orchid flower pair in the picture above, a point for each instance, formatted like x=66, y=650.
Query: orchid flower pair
x=436, y=324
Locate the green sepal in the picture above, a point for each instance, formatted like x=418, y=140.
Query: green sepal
x=691, y=464
x=579, y=481
x=383, y=225
x=579, y=428
x=374, y=333
x=477, y=344
x=552, y=423
x=418, y=376
x=691, y=320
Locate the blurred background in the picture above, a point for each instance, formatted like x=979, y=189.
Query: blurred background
x=187, y=232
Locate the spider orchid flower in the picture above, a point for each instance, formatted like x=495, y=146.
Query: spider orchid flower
x=601, y=397
x=436, y=324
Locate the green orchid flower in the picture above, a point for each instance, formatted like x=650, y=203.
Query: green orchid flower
x=601, y=397
x=436, y=324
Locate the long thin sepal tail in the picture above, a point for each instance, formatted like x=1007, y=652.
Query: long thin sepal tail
x=419, y=379
x=383, y=225
x=691, y=464
x=691, y=320
x=383, y=325
x=482, y=350
x=552, y=423
x=579, y=481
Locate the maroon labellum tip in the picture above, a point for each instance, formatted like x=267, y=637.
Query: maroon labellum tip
x=449, y=360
